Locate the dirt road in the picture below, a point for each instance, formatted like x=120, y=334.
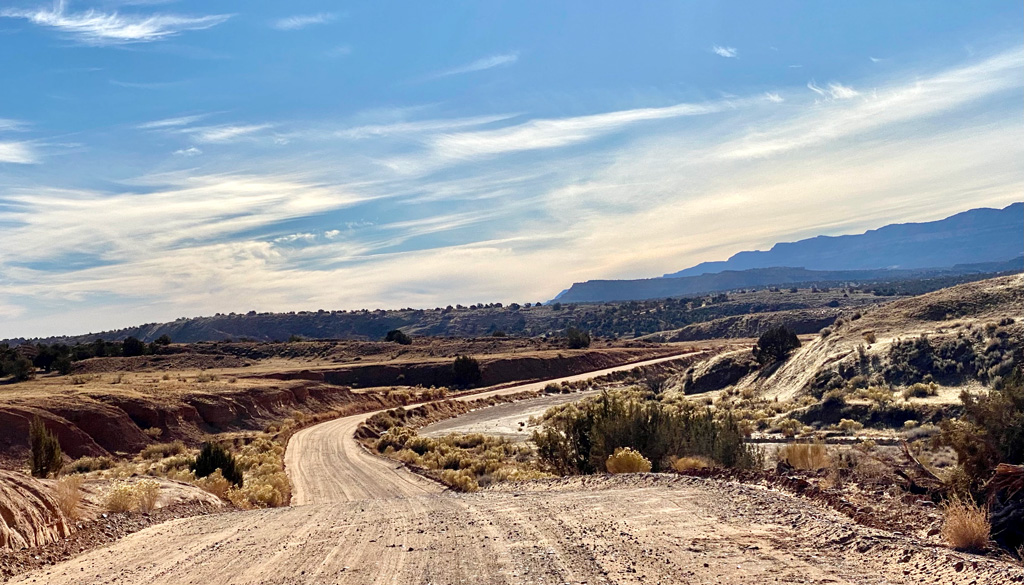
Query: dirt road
x=359, y=520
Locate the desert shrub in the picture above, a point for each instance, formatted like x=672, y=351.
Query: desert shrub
x=153, y=432
x=148, y=491
x=162, y=450
x=626, y=460
x=466, y=371
x=965, y=526
x=68, y=493
x=88, y=464
x=920, y=390
x=214, y=484
x=833, y=400
x=811, y=456
x=577, y=339
x=462, y=481
x=125, y=496
x=789, y=427
x=579, y=438
x=45, y=456
x=991, y=430
x=684, y=464
x=870, y=337
x=213, y=457
x=552, y=388
x=398, y=336
x=849, y=426
x=775, y=345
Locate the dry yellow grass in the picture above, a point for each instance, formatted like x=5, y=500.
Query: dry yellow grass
x=126, y=496
x=626, y=460
x=69, y=495
x=684, y=464
x=966, y=526
x=805, y=455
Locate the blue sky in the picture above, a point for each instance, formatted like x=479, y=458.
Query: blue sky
x=161, y=159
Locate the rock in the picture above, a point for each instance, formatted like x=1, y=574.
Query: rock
x=29, y=515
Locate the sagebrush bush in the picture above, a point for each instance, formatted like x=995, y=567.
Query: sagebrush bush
x=68, y=493
x=88, y=464
x=162, y=450
x=991, y=430
x=965, y=526
x=579, y=437
x=812, y=456
x=684, y=464
x=126, y=496
x=626, y=460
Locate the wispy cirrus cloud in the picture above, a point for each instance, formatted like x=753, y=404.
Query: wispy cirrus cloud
x=93, y=27
x=18, y=153
x=836, y=91
x=224, y=132
x=481, y=64
x=727, y=52
x=300, y=21
x=190, y=151
x=554, y=133
x=171, y=122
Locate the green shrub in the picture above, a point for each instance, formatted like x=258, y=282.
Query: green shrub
x=991, y=430
x=213, y=457
x=45, y=456
x=775, y=345
x=577, y=339
x=579, y=438
x=466, y=371
x=398, y=336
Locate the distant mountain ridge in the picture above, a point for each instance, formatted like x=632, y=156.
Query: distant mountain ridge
x=599, y=291
x=971, y=237
x=974, y=241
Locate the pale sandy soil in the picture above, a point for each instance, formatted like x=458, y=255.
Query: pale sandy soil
x=360, y=519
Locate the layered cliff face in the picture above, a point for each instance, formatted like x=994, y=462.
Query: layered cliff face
x=29, y=515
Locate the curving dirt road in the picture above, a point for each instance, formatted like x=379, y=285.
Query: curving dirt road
x=358, y=519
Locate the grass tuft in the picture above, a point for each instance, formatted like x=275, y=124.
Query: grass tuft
x=966, y=526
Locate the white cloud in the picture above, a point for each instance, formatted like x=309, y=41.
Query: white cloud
x=225, y=132
x=111, y=28
x=157, y=217
x=190, y=151
x=482, y=64
x=836, y=91
x=7, y=124
x=17, y=153
x=921, y=98
x=301, y=21
x=553, y=133
x=773, y=97
x=170, y=122
x=727, y=52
